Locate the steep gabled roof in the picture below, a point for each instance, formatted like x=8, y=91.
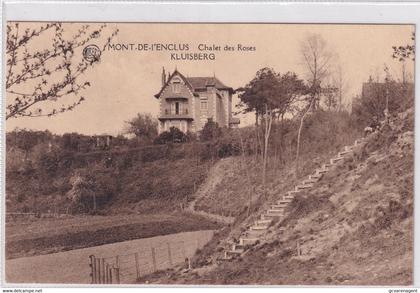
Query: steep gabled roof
x=195, y=83
x=203, y=82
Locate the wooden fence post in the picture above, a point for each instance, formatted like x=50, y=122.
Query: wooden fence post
x=99, y=271
x=117, y=261
x=92, y=268
x=136, y=258
x=103, y=271
x=170, y=254
x=117, y=274
x=110, y=274
x=154, y=259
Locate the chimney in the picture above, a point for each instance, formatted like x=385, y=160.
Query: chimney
x=163, y=77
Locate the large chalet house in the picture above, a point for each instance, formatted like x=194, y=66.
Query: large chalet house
x=187, y=103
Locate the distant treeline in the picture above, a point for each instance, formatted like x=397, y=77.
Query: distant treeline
x=26, y=139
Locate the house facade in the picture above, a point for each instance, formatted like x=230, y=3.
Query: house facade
x=187, y=103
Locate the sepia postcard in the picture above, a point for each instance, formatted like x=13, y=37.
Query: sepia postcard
x=209, y=153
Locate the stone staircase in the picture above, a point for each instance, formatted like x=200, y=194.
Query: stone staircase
x=257, y=231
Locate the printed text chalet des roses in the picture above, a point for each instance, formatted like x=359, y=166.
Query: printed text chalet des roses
x=183, y=51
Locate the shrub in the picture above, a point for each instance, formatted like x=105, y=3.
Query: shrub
x=174, y=135
x=211, y=131
x=95, y=185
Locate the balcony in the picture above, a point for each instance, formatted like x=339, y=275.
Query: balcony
x=175, y=97
x=173, y=114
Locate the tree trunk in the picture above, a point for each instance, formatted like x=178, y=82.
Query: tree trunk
x=256, y=136
x=281, y=138
x=299, y=135
x=268, y=122
x=248, y=177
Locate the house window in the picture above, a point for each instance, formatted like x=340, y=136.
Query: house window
x=203, y=107
x=176, y=85
x=177, y=107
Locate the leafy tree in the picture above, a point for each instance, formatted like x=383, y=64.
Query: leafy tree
x=26, y=139
x=44, y=64
x=211, y=131
x=70, y=141
x=270, y=95
x=143, y=126
x=92, y=187
x=331, y=100
x=376, y=97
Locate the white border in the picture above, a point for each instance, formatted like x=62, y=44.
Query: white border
x=208, y=11
x=228, y=12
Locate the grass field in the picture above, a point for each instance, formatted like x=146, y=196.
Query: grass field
x=42, y=236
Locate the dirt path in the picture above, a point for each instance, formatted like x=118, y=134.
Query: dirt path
x=72, y=267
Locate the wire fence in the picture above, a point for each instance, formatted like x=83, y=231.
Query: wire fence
x=19, y=216
x=127, y=268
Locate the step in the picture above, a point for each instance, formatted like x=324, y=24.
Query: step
x=238, y=246
x=306, y=186
x=271, y=211
x=292, y=192
x=263, y=222
x=278, y=206
x=344, y=153
x=247, y=241
x=288, y=198
x=326, y=166
x=259, y=227
x=336, y=159
x=309, y=181
x=234, y=252
x=315, y=176
x=253, y=233
x=226, y=257
x=285, y=201
x=273, y=214
x=321, y=171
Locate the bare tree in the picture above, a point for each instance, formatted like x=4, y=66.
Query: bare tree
x=44, y=64
x=340, y=84
x=317, y=59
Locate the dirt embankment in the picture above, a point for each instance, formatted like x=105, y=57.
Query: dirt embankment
x=355, y=227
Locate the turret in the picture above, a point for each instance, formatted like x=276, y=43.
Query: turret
x=163, y=77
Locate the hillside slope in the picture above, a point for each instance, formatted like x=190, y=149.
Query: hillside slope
x=355, y=227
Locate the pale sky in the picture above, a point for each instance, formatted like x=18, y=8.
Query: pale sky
x=124, y=83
